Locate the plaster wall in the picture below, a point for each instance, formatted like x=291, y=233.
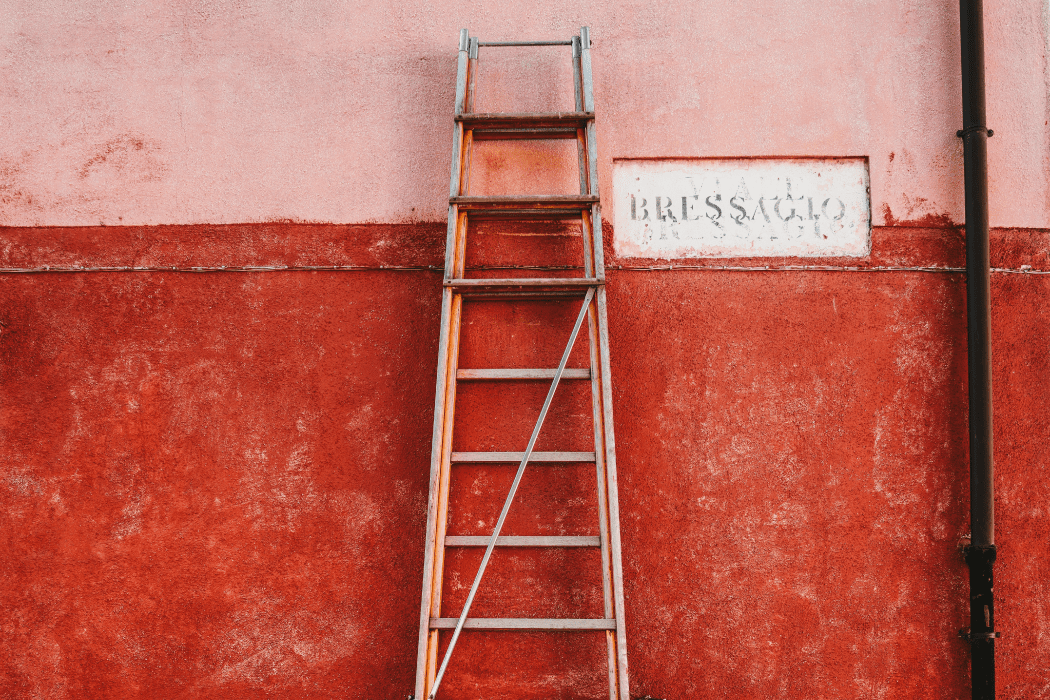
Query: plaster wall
x=210, y=112
x=213, y=484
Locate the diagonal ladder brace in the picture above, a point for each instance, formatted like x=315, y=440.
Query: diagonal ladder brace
x=513, y=490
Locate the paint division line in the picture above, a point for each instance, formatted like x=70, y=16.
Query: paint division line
x=1023, y=270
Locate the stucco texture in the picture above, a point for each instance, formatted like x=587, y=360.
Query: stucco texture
x=213, y=481
x=214, y=484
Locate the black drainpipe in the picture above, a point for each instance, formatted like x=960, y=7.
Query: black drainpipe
x=980, y=554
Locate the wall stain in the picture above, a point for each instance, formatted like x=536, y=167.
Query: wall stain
x=926, y=220
x=130, y=156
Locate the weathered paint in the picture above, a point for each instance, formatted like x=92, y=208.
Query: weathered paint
x=214, y=484
x=742, y=207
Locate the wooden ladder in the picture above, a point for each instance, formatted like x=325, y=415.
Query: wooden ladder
x=458, y=287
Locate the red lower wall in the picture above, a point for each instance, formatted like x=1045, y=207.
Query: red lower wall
x=213, y=484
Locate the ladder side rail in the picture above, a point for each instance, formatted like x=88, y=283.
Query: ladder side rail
x=592, y=149
x=581, y=133
x=589, y=241
x=582, y=159
x=585, y=69
x=592, y=152
x=444, y=482
x=468, y=151
x=599, y=242
x=600, y=488
x=588, y=106
x=461, y=141
x=513, y=490
x=599, y=458
x=455, y=184
x=450, y=242
x=611, y=485
x=576, y=81
x=468, y=106
x=472, y=57
x=460, y=241
x=460, y=254
x=602, y=382
x=440, y=465
x=448, y=349
x=461, y=95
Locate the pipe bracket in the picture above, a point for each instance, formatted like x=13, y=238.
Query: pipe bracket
x=963, y=133
x=979, y=553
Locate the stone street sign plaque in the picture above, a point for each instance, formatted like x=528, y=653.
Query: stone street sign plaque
x=741, y=207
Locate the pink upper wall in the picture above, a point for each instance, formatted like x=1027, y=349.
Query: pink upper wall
x=192, y=112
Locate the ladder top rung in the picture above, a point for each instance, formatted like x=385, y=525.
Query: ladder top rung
x=514, y=457
x=522, y=623
x=522, y=541
x=578, y=202
x=568, y=373
x=556, y=42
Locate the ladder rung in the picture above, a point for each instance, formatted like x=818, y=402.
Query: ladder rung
x=513, y=457
x=523, y=294
x=477, y=120
x=530, y=203
x=524, y=43
x=522, y=623
x=521, y=374
x=520, y=215
x=544, y=134
x=516, y=541
x=561, y=125
x=551, y=283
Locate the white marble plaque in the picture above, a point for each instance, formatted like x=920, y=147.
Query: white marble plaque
x=741, y=207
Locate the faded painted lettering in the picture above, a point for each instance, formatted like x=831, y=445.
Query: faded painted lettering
x=805, y=207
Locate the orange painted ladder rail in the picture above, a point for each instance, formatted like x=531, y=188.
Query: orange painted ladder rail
x=463, y=209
